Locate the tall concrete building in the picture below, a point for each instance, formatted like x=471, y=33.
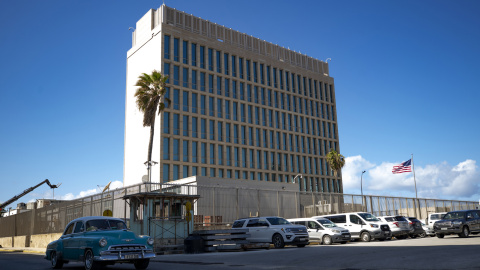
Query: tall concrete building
x=241, y=107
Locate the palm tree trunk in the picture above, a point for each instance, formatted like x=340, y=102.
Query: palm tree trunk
x=150, y=146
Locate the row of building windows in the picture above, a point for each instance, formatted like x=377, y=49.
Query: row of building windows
x=192, y=126
x=171, y=172
x=241, y=157
x=261, y=96
x=223, y=63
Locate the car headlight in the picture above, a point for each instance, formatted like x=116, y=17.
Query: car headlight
x=336, y=231
x=457, y=222
x=102, y=242
x=150, y=241
x=374, y=225
x=286, y=230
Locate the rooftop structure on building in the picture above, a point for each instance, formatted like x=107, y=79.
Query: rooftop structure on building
x=241, y=108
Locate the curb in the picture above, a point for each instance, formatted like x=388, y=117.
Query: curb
x=22, y=251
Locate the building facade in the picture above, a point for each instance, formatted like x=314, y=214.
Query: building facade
x=241, y=108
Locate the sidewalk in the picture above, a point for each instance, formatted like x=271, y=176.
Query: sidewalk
x=24, y=249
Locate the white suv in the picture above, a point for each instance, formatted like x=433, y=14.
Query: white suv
x=274, y=230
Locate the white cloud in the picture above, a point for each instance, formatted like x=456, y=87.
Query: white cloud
x=438, y=181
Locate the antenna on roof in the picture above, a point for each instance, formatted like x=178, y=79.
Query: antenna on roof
x=107, y=187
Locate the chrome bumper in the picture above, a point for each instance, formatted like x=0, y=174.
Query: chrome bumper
x=126, y=256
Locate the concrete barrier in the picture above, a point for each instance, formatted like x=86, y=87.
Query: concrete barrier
x=33, y=241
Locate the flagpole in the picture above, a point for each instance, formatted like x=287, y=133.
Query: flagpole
x=414, y=180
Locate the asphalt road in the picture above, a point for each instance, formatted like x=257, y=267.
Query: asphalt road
x=451, y=252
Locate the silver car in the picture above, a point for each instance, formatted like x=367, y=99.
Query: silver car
x=323, y=230
x=398, y=225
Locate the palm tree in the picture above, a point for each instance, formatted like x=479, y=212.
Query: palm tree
x=149, y=95
x=336, y=161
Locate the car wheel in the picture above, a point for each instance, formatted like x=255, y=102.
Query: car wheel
x=413, y=236
x=301, y=245
x=365, y=236
x=465, y=232
x=343, y=242
x=440, y=235
x=55, y=260
x=423, y=235
x=327, y=240
x=89, y=263
x=141, y=264
x=277, y=241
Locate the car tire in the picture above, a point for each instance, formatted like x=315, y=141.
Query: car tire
x=55, y=260
x=465, y=232
x=423, y=235
x=88, y=261
x=277, y=241
x=327, y=240
x=141, y=264
x=343, y=242
x=365, y=236
x=301, y=245
x=413, y=236
x=440, y=235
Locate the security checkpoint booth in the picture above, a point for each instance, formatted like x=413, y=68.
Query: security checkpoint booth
x=166, y=217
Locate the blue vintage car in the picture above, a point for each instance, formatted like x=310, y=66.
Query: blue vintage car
x=100, y=241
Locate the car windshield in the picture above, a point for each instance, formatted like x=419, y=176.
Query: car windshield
x=436, y=217
x=368, y=217
x=278, y=221
x=327, y=223
x=454, y=215
x=104, y=224
x=400, y=218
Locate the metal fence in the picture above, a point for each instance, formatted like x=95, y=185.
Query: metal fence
x=220, y=206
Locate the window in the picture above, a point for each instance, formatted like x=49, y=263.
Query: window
x=194, y=54
x=219, y=108
x=185, y=125
x=194, y=79
x=202, y=104
x=166, y=47
x=176, y=124
x=220, y=155
x=194, y=127
x=176, y=75
x=220, y=131
x=166, y=173
x=185, y=151
x=175, y=49
x=203, y=153
x=202, y=81
x=203, y=128
x=185, y=52
x=262, y=78
x=194, y=155
x=210, y=83
x=269, y=81
x=185, y=171
x=210, y=59
x=227, y=88
x=240, y=67
x=219, y=85
x=185, y=101
x=234, y=88
x=166, y=71
x=225, y=63
x=247, y=62
x=212, y=153
x=202, y=56
x=166, y=148
x=227, y=132
x=212, y=129
x=211, y=106
x=194, y=103
x=166, y=122
x=227, y=109
x=176, y=149
x=219, y=62
x=234, y=66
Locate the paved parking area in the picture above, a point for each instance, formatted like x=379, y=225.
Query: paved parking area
x=451, y=252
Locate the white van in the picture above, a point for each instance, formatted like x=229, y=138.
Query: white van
x=432, y=218
x=361, y=225
x=323, y=230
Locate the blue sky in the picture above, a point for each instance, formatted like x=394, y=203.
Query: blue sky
x=405, y=76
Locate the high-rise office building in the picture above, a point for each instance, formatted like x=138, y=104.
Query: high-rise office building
x=241, y=107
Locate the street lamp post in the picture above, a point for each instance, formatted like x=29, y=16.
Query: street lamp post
x=361, y=188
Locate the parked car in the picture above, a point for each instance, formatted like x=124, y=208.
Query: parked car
x=361, y=225
x=274, y=230
x=323, y=230
x=416, y=228
x=432, y=218
x=428, y=231
x=398, y=225
x=461, y=222
x=99, y=241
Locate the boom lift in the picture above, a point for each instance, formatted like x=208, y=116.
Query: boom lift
x=25, y=192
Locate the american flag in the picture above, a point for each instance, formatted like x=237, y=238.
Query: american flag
x=404, y=167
